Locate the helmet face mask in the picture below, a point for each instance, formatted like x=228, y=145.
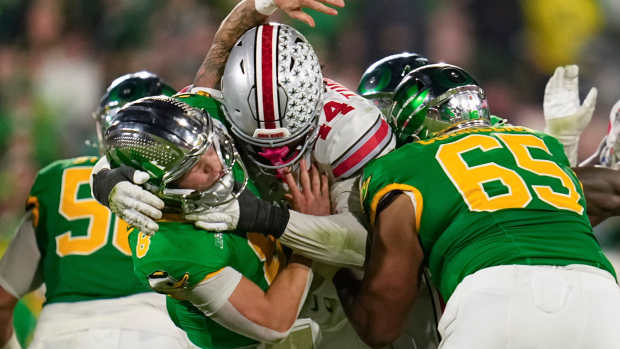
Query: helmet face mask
x=436, y=98
x=167, y=138
x=273, y=91
x=125, y=89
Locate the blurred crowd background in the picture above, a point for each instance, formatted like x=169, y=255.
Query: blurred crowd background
x=58, y=56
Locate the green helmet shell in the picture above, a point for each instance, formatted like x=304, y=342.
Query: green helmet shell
x=433, y=98
x=124, y=89
x=384, y=75
x=379, y=81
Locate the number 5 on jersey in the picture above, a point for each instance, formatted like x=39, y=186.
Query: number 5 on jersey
x=99, y=219
x=469, y=180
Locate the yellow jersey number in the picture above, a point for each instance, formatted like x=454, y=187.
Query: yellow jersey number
x=99, y=216
x=469, y=179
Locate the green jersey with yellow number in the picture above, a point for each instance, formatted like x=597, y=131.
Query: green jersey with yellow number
x=486, y=197
x=84, y=247
x=191, y=255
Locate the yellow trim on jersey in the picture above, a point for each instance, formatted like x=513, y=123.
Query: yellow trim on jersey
x=181, y=282
x=34, y=202
x=474, y=130
x=397, y=186
x=83, y=159
x=210, y=275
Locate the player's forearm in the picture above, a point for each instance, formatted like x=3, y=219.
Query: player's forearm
x=365, y=307
x=20, y=267
x=7, y=304
x=243, y=17
x=601, y=187
x=279, y=307
x=390, y=279
x=336, y=239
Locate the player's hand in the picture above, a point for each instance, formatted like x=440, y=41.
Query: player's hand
x=294, y=8
x=610, y=153
x=602, y=189
x=313, y=197
x=135, y=205
x=564, y=114
x=219, y=218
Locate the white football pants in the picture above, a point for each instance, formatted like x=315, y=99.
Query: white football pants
x=137, y=321
x=533, y=307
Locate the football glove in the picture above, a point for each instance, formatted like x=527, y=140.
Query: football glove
x=610, y=152
x=243, y=214
x=565, y=117
x=120, y=190
x=219, y=218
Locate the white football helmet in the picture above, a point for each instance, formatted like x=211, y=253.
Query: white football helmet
x=273, y=93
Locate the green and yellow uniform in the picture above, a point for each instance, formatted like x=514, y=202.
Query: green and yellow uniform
x=84, y=247
x=190, y=255
x=486, y=197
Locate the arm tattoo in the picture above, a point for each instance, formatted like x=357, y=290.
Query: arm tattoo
x=243, y=17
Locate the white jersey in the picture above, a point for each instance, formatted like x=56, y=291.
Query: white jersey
x=352, y=131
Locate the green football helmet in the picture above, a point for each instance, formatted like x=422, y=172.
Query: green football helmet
x=380, y=79
x=166, y=137
x=436, y=98
x=124, y=89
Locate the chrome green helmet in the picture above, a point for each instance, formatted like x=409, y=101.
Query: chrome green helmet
x=436, y=98
x=380, y=79
x=125, y=89
x=165, y=138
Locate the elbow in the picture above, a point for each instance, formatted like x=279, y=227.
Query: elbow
x=280, y=324
x=276, y=327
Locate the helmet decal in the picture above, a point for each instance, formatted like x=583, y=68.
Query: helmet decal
x=273, y=91
x=267, y=76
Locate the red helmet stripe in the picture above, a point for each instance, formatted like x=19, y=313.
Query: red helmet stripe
x=360, y=154
x=267, y=81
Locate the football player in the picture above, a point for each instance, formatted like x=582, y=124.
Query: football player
x=277, y=135
x=498, y=216
x=227, y=291
x=565, y=117
x=79, y=250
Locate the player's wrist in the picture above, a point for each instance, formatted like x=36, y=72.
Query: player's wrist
x=256, y=215
x=105, y=180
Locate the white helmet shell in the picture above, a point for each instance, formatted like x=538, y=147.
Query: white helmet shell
x=273, y=87
x=352, y=132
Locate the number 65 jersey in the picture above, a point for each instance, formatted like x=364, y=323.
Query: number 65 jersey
x=84, y=247
x=485, y=197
